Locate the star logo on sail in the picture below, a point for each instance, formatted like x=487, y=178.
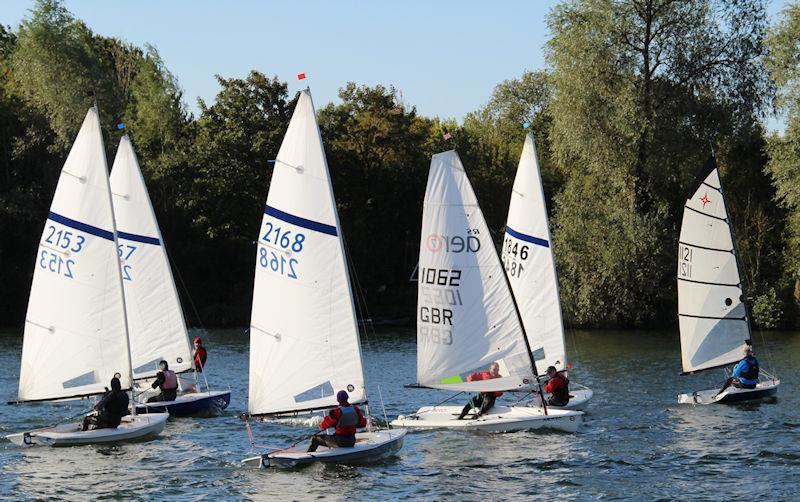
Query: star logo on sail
x=705, y=200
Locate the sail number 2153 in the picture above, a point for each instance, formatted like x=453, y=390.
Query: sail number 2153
x=54, y=259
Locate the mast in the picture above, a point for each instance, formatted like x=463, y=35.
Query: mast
x=736, y=256
x=119, y=277
x=527, y=344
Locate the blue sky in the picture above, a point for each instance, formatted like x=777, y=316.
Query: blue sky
x=444, y=56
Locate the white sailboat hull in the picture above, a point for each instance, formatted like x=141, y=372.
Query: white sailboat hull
x=498, y=419
x=132, y=428
x=764, y=389
x=369, y=447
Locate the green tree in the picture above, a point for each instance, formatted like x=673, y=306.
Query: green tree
x=643, y=88
x=783, y=166
x=379, y=151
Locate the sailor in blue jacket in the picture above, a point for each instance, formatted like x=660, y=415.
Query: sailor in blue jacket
x=745, y=373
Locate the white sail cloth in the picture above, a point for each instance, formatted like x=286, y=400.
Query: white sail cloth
x=304, y=344
x=75, y=330
x=528, y=257
x=466, y=316
x=155, y=320
x=712, y=314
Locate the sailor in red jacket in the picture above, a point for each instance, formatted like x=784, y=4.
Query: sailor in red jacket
x=346, y=418
x=485, y=400
x=200, y=354
x=558, y=387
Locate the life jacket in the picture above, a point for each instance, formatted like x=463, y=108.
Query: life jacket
x=560, y=392
x=751, y=372
x=348, y=420
x=170, y=380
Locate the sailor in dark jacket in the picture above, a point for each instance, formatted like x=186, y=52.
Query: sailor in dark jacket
x=110, y=410
x=745, y=373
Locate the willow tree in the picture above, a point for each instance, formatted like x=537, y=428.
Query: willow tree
x=644, y=89
x=784, y=149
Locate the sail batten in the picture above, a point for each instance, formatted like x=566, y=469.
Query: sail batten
x=466, y=315
x=304, y=342
x=157, y=326
x=713, y=319
x=75, y=335
x=530, y=264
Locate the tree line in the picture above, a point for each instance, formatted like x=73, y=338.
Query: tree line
x=636, y=95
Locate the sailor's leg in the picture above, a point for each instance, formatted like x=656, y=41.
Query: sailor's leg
x=465, y=410
x=488, y=402
x=315, y=443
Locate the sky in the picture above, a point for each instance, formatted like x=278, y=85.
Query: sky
x=444, y=56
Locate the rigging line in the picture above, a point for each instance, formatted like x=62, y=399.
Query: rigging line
x=361, y=299
x=194, y=309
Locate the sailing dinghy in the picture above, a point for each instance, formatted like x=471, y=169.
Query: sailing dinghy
x=304, y=339
x=76, y=331
x=467, y=317
x=155, y=319
x=713, y=317
x=531, y=268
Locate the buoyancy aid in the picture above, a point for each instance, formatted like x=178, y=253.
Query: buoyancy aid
x=559, y=387
x=348, y=420
x=748, y=370
x=170, y=380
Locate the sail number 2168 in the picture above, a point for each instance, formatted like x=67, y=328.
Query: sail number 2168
x=275, y=259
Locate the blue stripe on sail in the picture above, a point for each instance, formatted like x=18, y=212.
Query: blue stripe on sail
x=83, y=227
x=138, y=238
x=300, y=222
x=527, y=238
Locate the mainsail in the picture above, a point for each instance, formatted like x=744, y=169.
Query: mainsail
x=75, y=327
x=713, y=318
x=155, y=320
x=304, y=343
x=466, y=314
x=528, y=257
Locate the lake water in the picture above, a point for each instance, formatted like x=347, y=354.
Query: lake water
x=636, y=442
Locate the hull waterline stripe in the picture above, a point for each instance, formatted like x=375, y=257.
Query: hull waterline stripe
x=300, y=222
x=138, y=238
x=706, y=248
x=706, y=214
x=527, y=238
x=83, y=227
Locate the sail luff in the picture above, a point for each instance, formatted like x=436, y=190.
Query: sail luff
x=118, y=269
